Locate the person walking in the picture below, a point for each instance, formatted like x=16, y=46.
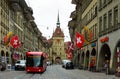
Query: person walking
x=91, y=65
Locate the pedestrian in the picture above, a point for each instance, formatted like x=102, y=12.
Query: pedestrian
x=105, y=66
x=91, y=65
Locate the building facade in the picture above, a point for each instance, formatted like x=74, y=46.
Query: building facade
x=4, y=29
x=58, y=52
x=16, y=19
x=108, y=27
x=89, y=32
x=98, y=21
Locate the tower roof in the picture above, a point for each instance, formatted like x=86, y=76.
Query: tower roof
x=58, y=20
x=58, y=32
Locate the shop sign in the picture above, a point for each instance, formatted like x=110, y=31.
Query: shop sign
x=118, y=63
x=93, y=44
x=118, y=54
x=105, y=39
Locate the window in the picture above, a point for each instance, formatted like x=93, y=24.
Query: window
x=100, y=4
x=92, y=12
x=110, y=19
x=88, y=17
x=60, y=53
x=96, y=31
x=95, y=10
x=105, y=22
x=104, y=2
x=60, y=49
x=100, y=24
x=115, y=16
x=92, y=32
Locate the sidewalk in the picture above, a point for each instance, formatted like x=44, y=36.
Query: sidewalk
x=97, y=75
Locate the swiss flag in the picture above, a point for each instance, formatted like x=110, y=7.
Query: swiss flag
x=71, y=46
x=46, y=55
x=15, y=43
x=67, y=50
x=69, y=56
x=5, y=39
x=16, y=56
x=79, y=40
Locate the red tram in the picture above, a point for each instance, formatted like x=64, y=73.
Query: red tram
x=35, y=62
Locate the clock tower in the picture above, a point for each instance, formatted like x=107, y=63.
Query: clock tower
x=58, y=52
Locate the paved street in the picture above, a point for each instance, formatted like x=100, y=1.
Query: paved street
x=56, y=72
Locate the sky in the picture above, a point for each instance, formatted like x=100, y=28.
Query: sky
x=45, y=13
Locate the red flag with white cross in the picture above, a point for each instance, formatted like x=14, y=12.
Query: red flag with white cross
x=79, y=40
x=69, y=56
x=71, y=46
x=15, y=43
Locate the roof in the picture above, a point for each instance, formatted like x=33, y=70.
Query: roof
x=50, y=40
x=58, y=32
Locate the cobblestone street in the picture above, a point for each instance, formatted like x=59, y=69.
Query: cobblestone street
x=56, y=72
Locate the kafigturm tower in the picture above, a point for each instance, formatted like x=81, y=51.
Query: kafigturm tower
x=58, y=52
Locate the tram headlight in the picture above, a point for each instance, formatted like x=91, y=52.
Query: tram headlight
x=28, y=70
x=39, y=70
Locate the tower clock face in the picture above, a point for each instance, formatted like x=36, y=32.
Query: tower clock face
x=58, y=40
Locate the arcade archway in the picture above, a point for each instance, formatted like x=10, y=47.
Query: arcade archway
x=87, y=59
x=116, y=57
x=82, y=59
x=7, y=57
x=58, y=60
x=93, y=53
x=93, y=57
x=104, y=56
x=2, y=53
x=2, y=56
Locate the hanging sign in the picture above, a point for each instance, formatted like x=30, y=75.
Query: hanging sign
x=118, y=54
x=105, y=39
x=93, y=45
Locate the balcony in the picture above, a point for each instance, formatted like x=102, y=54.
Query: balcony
x=72, y=23
x=14, y=1
x=73, y=15
x=28, y=13
x=14, y=4
x=29, y=17
x=76, y=1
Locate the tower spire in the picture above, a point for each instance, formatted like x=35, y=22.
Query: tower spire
x=58, y=21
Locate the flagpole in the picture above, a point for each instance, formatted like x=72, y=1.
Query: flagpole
x=79, y=41
x=12, y=53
